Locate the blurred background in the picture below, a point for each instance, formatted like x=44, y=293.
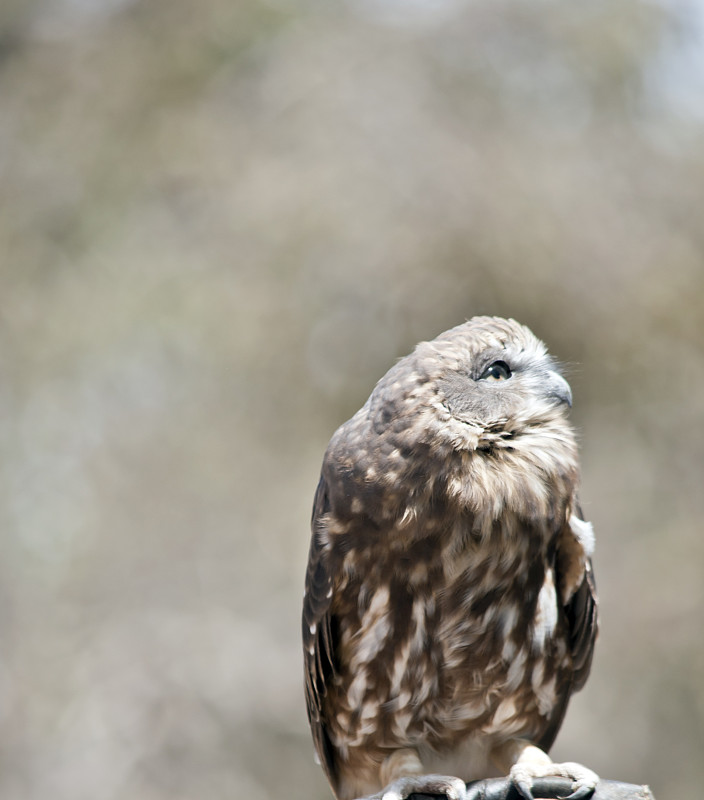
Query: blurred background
x=220, y=223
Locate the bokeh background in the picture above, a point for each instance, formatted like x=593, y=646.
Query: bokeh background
x=220, y=223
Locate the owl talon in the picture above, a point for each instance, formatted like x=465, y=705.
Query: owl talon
x=584, y=781
x=579, y=794
x=400, y=789
x=525, y=789
x=582, y=790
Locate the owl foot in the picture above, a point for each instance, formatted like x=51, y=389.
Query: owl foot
x=525, y=763
x=401, y=788
x=584, y=781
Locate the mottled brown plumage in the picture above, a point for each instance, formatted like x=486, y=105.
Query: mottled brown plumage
x=450, y=608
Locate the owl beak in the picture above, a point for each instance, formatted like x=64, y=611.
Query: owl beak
x=557, y=389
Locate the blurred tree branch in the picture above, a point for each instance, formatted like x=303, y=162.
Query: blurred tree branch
x=548, y=789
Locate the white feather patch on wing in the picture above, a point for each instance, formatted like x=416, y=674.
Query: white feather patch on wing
x=546, y=614
x=584, y=534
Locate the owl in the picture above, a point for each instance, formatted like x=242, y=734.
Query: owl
x=450, y=608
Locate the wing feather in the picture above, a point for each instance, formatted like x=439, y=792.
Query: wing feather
x=581, y=614
x=582, y=617
x=318, y=639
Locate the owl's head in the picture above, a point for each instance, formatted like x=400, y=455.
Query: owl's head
x=481, y=383
x=480, y=410
x=495, y=374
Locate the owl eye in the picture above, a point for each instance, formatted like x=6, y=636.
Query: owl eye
x=498, y=371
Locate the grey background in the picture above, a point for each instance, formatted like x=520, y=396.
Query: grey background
x=220, y=223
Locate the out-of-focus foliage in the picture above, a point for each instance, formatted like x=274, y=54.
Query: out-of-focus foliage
x=220, y=223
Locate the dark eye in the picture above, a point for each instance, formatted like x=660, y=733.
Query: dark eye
x=498, y=371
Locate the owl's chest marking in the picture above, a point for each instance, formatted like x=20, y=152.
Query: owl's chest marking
x=461, y=641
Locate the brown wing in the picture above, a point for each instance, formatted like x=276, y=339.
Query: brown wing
x=582, y=616
x=318, y=637
x=582, y=627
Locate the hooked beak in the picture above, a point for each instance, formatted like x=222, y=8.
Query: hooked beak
x=557, y=389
